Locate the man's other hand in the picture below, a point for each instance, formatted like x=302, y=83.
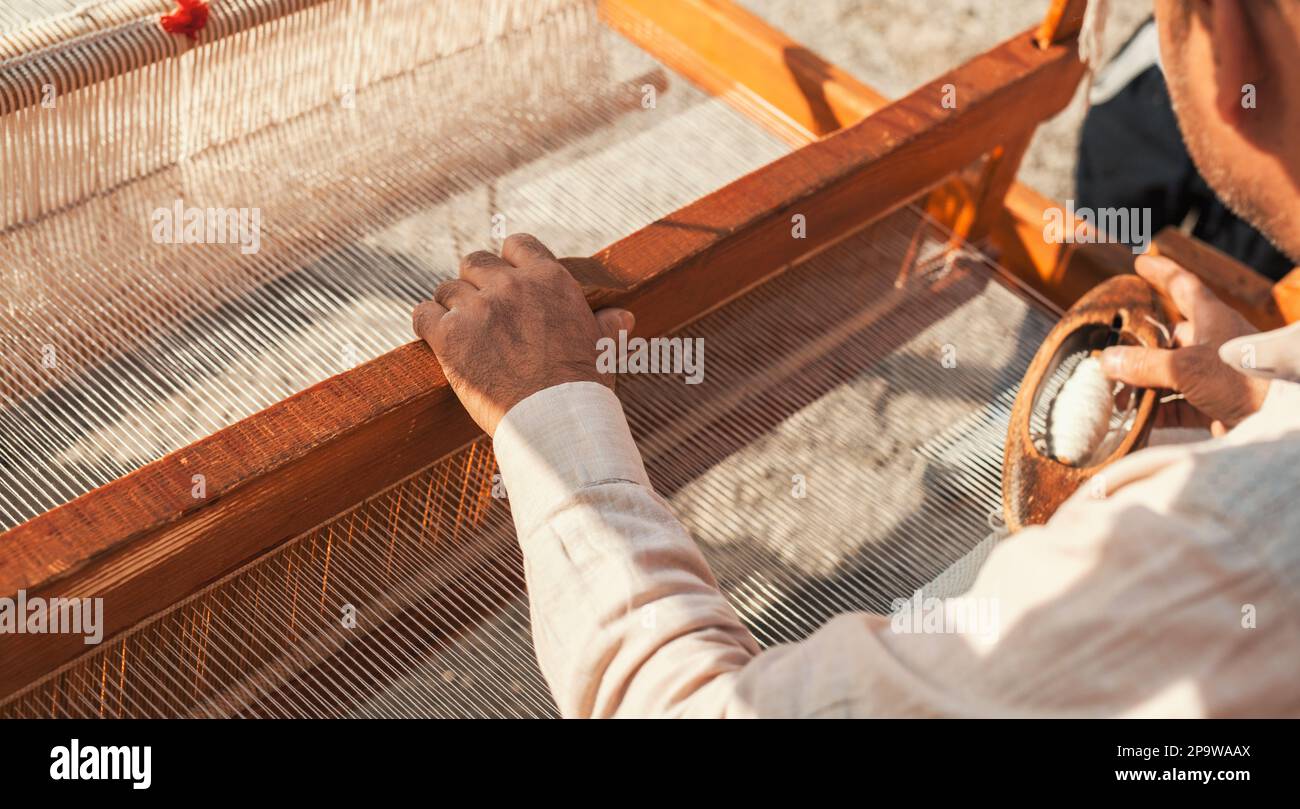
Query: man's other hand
x=512, y=325
x=1215, y=394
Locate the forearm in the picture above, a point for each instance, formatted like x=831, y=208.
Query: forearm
x=627, y=618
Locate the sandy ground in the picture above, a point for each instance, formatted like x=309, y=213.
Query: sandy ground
x=895, y=45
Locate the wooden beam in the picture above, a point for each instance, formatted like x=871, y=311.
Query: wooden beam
x=1061, y=272
x=795, y=93
x=143, y=541
x=1241, y=287
x=801, y=97
x=736, y=55
x=743, y=60
x=1063, y=21
x=1286, y=294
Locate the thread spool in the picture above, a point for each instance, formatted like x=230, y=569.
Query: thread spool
x=1041, y=466
x=1080, y=416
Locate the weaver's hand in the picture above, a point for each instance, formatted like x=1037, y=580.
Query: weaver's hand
x=1216, y=395
x=512, y=325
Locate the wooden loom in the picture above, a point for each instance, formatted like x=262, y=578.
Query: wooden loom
x=143, y=543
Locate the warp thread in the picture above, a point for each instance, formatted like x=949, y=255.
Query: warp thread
x=189, y=18
x=1080, y=416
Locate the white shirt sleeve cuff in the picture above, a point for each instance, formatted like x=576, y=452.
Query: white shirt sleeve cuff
x=560, y=440
x=1281, y=394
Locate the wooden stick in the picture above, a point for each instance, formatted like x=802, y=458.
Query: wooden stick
x=1241, y=287
x=736, y=55
x=998, y=176
x=972, y=208
x=1286, y=294
x=746, y=62
x=143, y=541
x=1063, y=21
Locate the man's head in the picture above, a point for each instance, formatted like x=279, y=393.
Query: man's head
x=1233, y=69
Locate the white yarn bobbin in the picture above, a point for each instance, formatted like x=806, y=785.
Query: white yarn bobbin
x=1080, y=417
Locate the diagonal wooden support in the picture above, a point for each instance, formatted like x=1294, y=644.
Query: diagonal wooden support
x=1063, y=21
x=738, y=56
x=801, y=97
x=971, y=208
x=1245, y=290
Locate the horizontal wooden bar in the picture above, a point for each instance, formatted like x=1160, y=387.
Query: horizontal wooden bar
x=121, y=37
x=1286, y=294
x=743, y=60
x=1060, y=271
x=1062, y=22
x=143, y=541
x=798, y=95
x=1241, y=287
x=734, y=54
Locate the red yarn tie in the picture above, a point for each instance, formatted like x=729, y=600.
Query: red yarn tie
x=188, y=19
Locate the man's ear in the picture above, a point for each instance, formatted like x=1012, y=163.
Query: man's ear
x=1237, y=61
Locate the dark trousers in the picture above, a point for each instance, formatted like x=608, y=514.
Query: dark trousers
x=1131, y=155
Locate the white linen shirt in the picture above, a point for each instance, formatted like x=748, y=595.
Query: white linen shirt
x=1176, y=594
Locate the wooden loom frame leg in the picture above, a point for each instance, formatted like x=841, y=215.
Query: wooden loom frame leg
x=1062, y=22
x=735, y=55
x=792, y=91
x=971, y=208
x=748, y=63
